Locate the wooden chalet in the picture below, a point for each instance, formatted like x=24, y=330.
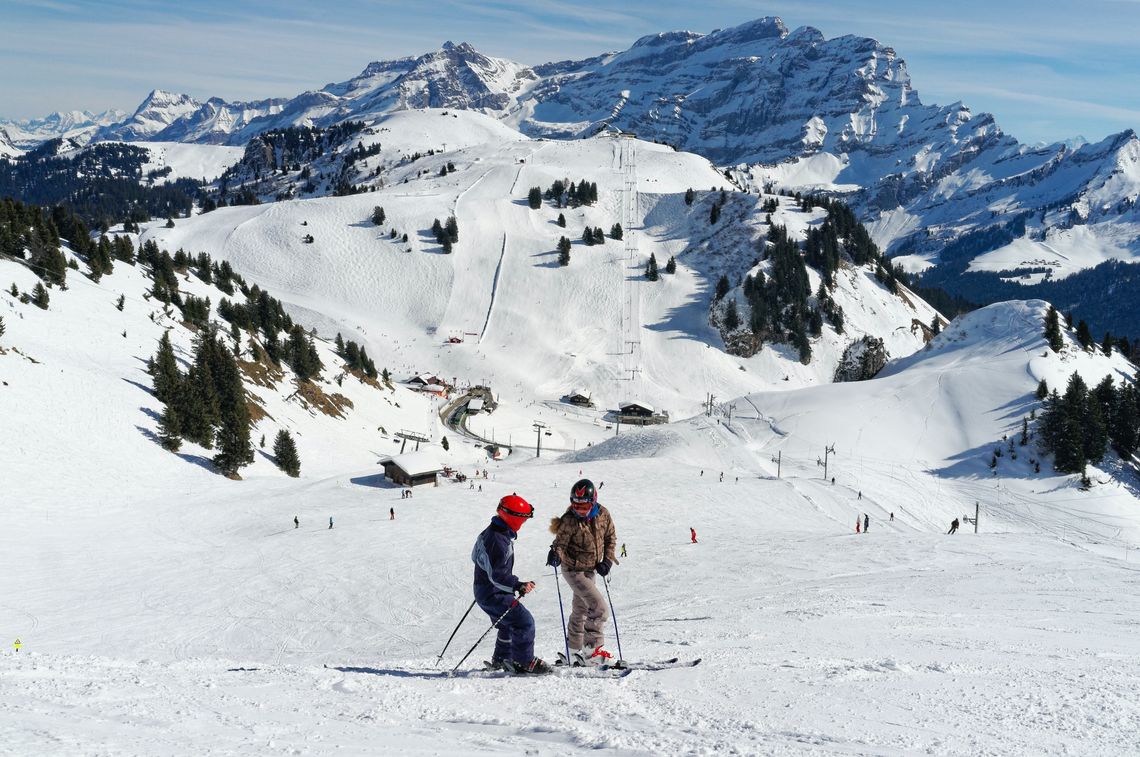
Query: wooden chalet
x=412, y=468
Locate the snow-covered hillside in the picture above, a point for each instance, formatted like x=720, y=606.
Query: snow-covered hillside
x=164, y=608
x=782, y=105
x=188, y=161
x=502, y=289
x=189, y=615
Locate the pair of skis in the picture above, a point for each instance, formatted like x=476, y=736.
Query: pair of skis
x=625, y=667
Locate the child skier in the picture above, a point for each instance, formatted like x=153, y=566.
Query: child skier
x=584, y=541
x=496, y=586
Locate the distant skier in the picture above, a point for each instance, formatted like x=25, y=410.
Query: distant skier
x=858, y=524
x=584, y=541
x=330, y=522
x=722, y=475
x=833, y=480
x=296, y=522
x=892, y=517
x=391, y=513
x=693, y=534
x=702, y=473
x=860, y=495
x=623, y=549
x=866, y=522
x=496, y=585
x=953, y=526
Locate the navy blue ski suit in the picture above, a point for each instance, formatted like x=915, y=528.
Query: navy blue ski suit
x=495, y=587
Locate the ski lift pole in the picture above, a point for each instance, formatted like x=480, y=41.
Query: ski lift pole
x=562, y=612
x=449, y=638
x=492, y=628
x=617, y=636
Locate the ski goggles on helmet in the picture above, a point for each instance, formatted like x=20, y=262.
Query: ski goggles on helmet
x=508, y=511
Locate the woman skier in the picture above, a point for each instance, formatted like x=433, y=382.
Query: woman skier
x=584, y=541
x=496, y=586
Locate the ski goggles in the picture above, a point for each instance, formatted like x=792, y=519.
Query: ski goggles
x=508, y=511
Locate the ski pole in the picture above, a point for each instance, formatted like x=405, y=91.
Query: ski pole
x=565, y=638
x=492, y=628
x=449, y=638
x=613, y=615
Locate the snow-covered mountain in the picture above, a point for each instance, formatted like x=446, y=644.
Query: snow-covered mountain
x=785, y=106
x=7, y=147
x=77, y=124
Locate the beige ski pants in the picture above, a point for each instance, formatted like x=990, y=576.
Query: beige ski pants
x=588, y=615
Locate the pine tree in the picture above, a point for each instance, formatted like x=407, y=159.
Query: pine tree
x=1124, y=425
x=1042, y=390
x=1084, y=335
x=452, y=229
x=378, y=215
x=166, y=376
x=936, y=325
x=285, y=453
x=443, y=443
x=731, y=317
x=40, y=296
x=714, y=213
x=588, y=236
x=121, y=303
x=671, y=266
x=170, y=429
x=235, y=449
x=1053, y=330
x=689, y=196
x=339, y=344
x=534, y=198
x=1095, y=432
x=564, y=251
x=352, y=355
x=562, y=220
x=722, y=287
x=1, y=325
x=1107, y=344
x=651, y=268
x=616, y=231
x=198, y=404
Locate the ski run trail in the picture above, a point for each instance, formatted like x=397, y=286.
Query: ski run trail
x=165, y=610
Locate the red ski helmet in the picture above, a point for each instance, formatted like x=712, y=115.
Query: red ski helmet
x=514, y=510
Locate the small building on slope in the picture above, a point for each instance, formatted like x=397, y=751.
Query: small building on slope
x=412, y=468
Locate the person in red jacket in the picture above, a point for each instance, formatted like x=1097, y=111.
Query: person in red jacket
x=693, y=534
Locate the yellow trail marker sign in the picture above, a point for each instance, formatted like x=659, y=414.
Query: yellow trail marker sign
x=16, y=644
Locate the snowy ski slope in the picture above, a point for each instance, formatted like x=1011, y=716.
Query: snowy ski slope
x=164, y=609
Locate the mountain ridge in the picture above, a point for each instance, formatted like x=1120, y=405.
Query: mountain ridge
x=783, y=106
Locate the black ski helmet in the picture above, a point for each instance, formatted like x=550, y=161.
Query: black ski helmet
x=583, y=492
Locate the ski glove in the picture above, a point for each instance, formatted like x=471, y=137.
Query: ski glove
x=603, y=568
x=552, y=558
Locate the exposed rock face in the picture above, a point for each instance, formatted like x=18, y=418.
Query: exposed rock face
x=862, y=360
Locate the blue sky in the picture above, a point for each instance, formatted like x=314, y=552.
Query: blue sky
x=1047, y=70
